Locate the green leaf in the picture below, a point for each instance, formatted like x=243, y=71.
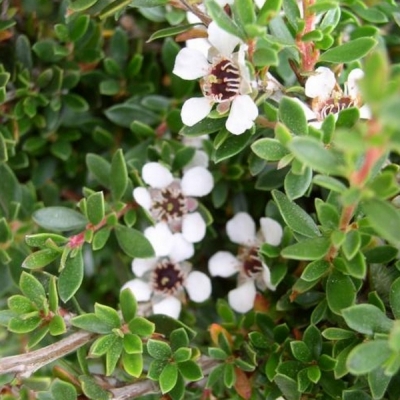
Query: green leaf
x=59, y=218
x=243, y=12
x=10, y=190
x=158, y=349
x=81, y=5
x=57, y=326
x=384, y=218
x=93, y=390
x=113, y=355
x=95, y=207
x=132, y=343
x=221, y=18
x=378, y=382
x=368, y=356
x=99, y=168
x=40, y=259
x=394, y=298
x=133, y=242
x=128, y=304
x=62, y=390
x=168, y=378
x=356, y=267
x=182, y=354
x=315, y=270
x=179, y=338
x=71, y=277
x=269, y=149
x=309, y=249
x=119, y=173
x=232, y=145
x=351, y=244
x=313, y=153
x=114, y=8
x=350, y=51
x=91, y=323
x=337, y=334
x=204, y=127
x=300, y=351
x=32, y=289
x=41, y=239
x=141, y=326
x=107, y=315
x=102, y=344
x=133, y=364
x=191, y=370
x=20, y=304
x=292, y=115
x=367, y=319
x=124, y=114
x=24, y=324
x=340, y=292
x=294, y=216
x=171, y=31
x=297, y=185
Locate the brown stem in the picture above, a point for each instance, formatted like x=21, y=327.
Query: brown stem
x=24, y=365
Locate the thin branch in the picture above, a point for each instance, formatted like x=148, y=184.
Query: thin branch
x=24, y=365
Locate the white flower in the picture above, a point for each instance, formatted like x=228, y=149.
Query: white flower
x=173, y=200
x=225, y=81
x=252, y=271
x=200, y=158
x=327, y=96
x=163, y=279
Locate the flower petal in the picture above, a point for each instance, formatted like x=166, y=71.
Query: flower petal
x=142, y=197
x=352, y=82
x=193, y=227
x=223, y=41
x=365, y=112
x=224, y=264
x=181, y=248
x=195, y=109
x=272, y=231
x=242, y=114
x=266, y=274
x=200, y=159
x=141, y=265
x=241, y=229
x=169, y=306
x=156, y=175
x=160, y=237
x=197, y=181
x=320, y=84
x=190, y=64
x=198, y=286
x=141, y=290
x=242, y=298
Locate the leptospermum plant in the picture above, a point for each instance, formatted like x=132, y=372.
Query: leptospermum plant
x=199, y=199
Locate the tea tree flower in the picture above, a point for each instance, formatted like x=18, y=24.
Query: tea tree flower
x=173, y=200
x=328, y=98
x=252, y=271
x=225, y=81
x=163, y=280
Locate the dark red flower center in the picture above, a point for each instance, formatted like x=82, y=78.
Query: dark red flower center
x=167, y=277
x=250, y=260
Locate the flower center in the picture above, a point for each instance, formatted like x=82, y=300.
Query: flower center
x=223, y=81
x=167, y=277
x=169, y=204
x=250, y=260
x=334, y=106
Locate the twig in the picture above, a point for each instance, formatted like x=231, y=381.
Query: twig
x=24, y=365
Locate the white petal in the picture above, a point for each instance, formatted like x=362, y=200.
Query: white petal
x=141, y=290
x=142, y=197
x=169, y=306
x=197, y=182
x=195, y=109
x=190, y=64
x=193, y=227
x=241, y=229
x=160, y=238
x=199, y=44
x=259, y=3
x=352, y=82
x=141, y=265
x=365, y=112
x=242, y=114
x=272, y=231
x=198, y=286
x=224, y=264
x=242, y=298
x=156, y=175
x=321, y=84
x=181, y=248
x=223, y=41
x=200, y=159
x=266, y=274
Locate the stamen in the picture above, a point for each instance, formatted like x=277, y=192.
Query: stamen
x=250, y=260
x=169, y=204
x=334, y=106
x=167, y=277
